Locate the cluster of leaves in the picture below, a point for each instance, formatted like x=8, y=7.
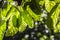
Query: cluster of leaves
x=15, y=15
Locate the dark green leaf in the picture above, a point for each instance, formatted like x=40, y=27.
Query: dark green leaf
x=14, y=21
x=19, y=20
x=34, y=5
x=52, y=17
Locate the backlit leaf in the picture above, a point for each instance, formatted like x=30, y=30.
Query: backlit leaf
x=28, y=19
x=49, y=5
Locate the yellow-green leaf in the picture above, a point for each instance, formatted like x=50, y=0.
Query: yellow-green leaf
x=49, y=5
x=28, y=19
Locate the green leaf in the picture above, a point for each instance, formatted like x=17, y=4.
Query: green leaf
x=2, y=30
x=55, y=17
x=19, y=20
x=27, y=0
x=22, y=26
x=9, y=0
x=12, y=30
x=28, y=19
x=9, y=11
x=6, y=11
x=1, y=22
x=41, y=3
x=58, y=26
x=52, y=17
x=57, y=1
x=49, y=5
x=49, y=23
x=53, y=9
x=32, y=14
x=14, y=21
